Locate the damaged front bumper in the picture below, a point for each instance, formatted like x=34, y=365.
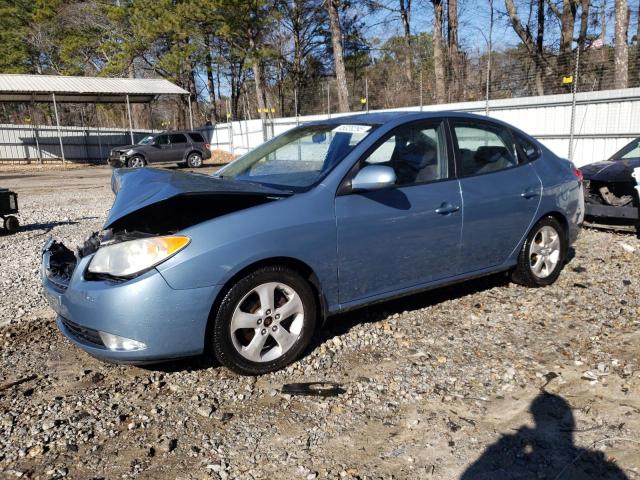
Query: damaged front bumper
x=141, y=320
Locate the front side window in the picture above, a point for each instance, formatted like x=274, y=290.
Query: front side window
x=178, y=138
x=148, y=140
x=297, y=159
x=415, y=152
x=484, y=148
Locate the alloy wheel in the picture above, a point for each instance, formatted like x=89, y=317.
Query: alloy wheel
x=137, y=162
x=194, y=160
x=267, y=322
x=544, y=253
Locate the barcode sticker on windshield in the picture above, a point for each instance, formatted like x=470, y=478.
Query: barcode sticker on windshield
x=352, y=128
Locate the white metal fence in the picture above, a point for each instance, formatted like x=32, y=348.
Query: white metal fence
x=604, y=122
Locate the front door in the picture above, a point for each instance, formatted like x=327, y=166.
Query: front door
x=401, y=237
x=500, y=195
x=161, y=149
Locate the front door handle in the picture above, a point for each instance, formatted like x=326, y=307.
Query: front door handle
x=530, y=193
x=446, y=208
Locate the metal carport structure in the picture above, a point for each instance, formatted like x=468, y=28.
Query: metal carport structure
x=56, y=89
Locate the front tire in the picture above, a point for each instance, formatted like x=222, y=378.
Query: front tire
x=136, y=162
x=543, y=254
x=265, y=321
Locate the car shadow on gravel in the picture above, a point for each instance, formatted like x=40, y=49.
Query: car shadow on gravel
x=545, y=451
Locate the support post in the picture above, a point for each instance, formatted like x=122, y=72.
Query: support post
x=130, y=123
x=328, y=100
x=295, y=105
x=34, y=125
x=366, y=93
x=573, y=103
x=190, y=112
x=421, y=86
x=55, y=111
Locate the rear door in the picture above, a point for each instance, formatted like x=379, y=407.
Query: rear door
x=401, y=237
x=500, y=193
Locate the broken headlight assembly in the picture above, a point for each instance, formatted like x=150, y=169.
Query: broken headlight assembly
x=133, y=257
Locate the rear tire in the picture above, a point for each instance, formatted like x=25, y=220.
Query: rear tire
x=543, y=254
x=11, y=224
x=136, y=162
x=265, y=321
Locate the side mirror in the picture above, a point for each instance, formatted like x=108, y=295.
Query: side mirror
x=373, y=177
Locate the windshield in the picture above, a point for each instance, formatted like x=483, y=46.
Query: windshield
x=148, y=140
x=298, y=158
x=631, y=151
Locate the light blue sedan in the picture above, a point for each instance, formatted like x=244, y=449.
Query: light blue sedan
x=330, y=216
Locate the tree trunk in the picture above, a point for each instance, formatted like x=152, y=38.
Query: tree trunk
x=336, y=42
x=438, y=54
x=455, y=77
x=211, y=82
x=567, y=22
x=540, y=48
x=257, y=79
x=621, y=51
x=405, y=14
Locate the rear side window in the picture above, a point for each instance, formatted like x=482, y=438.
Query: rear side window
x=530, y=150
x=162, y=140
x=178, y=138
x=484, y=148
x=196, y=138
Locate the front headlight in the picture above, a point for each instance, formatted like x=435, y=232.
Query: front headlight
x=135, y=256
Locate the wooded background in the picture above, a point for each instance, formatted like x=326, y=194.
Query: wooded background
x=255, y=58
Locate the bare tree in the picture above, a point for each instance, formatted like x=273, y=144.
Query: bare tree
x=535, y=50
x=621, y=51
x=405, y=15
x=438, y=53
x=336, y=42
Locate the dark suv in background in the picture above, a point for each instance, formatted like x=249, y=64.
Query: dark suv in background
x=186, y=148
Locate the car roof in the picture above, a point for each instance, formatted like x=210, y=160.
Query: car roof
x=380, y=118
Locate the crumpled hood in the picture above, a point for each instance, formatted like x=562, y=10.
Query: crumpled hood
x=611, y=170
x=123, y=148
x=140, y=187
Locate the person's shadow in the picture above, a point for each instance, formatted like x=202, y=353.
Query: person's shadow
x=544, y=452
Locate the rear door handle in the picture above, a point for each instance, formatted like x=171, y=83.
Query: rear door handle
x=530, y=193
x=446, y=208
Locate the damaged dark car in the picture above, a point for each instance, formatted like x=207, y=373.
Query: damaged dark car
x=327, y=217
x=611, y=197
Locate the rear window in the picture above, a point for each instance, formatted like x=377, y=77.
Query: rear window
x=530, y=150
x=196, y=138
x=178, y=138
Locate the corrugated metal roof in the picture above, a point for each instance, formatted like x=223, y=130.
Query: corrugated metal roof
x=15, y=87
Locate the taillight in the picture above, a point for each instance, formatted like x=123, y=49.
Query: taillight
x=207, y=146
x=578, y=173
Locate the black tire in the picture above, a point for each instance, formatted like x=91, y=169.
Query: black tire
x=134, y=159
x=223, y=343
x=524, y=273
x=11, y=224
x=194, y=160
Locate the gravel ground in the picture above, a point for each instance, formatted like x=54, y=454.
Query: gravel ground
x=541, y=383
